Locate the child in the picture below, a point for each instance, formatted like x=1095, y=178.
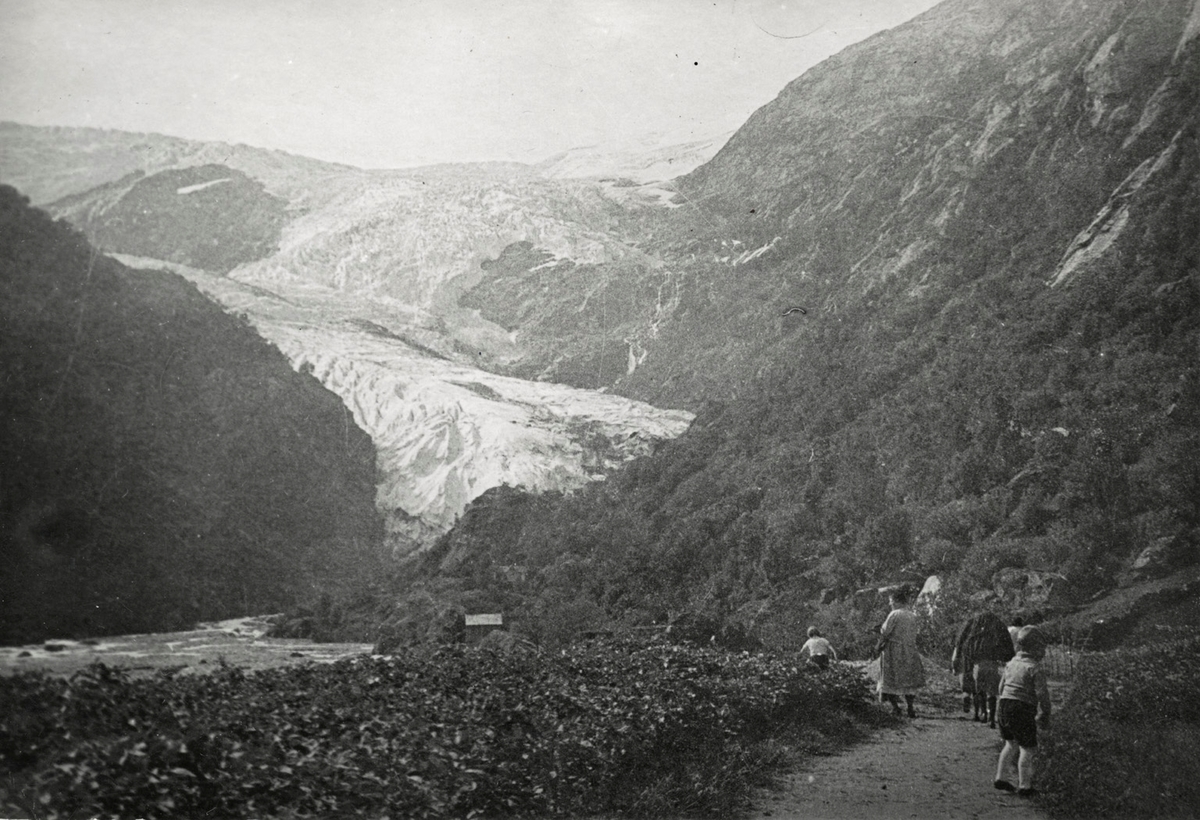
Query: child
x=1017, y=623
x=819, y=650
x=1024, y=706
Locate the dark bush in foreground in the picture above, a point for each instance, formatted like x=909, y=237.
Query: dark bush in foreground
x=1127, y=743
x=616, y=727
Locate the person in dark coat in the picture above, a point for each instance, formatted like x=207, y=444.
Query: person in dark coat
x=982, y=648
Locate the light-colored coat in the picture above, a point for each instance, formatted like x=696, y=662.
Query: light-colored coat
x=900, y=668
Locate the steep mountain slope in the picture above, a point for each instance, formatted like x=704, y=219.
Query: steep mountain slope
x=159, y=463
x=978, y=136
x=989, y=214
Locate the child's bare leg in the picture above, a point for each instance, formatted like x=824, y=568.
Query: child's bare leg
x=1025, y=766
x=1006, y=766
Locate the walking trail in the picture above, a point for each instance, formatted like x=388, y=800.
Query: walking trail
x=939, y=765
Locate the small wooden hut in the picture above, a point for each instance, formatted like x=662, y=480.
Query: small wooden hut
x=477, y=626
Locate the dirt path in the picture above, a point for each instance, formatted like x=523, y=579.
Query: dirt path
x=940, y=765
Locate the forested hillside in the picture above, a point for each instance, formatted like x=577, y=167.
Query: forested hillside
x=990, y=215
x=159, y=462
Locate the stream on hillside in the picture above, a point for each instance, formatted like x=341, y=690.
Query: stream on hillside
x=239, y=642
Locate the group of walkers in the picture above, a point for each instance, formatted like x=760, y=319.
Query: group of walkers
x=999, y=669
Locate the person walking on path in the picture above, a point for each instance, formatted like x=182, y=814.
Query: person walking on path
x=982, y=647
x=1024, y=708
x=820, y=651
x=900, y=669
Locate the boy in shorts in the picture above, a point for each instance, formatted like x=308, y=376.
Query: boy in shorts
x=1023, y=707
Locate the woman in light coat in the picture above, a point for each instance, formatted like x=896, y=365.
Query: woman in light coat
x=900, y=669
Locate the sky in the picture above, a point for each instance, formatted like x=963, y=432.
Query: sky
x=396, y=83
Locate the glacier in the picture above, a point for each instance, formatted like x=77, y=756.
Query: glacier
x=444, y=432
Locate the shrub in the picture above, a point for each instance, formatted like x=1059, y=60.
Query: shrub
x=621, y=727
x=1127, y=742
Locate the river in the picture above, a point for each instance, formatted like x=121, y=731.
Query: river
x=240, y=642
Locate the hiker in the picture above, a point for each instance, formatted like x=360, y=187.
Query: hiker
x=982, y=647
x=820, y=651
x=1024, y=708
x=960, y=666
x=900, y=669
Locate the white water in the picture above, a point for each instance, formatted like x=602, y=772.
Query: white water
x=239, y=641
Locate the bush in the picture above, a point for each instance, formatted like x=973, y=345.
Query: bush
x=620, y=727
x=1127, y=742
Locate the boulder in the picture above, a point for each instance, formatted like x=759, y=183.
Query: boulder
x=1162, y=557
x=1025, y=589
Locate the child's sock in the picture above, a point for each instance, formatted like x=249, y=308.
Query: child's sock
x=1025, y=766
x=1006, y=766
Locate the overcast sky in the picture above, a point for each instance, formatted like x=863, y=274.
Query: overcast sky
x=388, y=84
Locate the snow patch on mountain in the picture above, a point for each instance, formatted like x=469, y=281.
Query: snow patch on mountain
x=200, y=186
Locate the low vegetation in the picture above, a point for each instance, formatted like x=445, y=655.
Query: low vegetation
x=621, y=727
x=1127, y=742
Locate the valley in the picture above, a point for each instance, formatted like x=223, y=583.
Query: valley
x=357, y=280
x=991, y=381
x=933, y=312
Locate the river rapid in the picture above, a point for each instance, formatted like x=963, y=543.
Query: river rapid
x=239, y=642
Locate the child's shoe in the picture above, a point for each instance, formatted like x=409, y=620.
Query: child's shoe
x=1004, y=786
